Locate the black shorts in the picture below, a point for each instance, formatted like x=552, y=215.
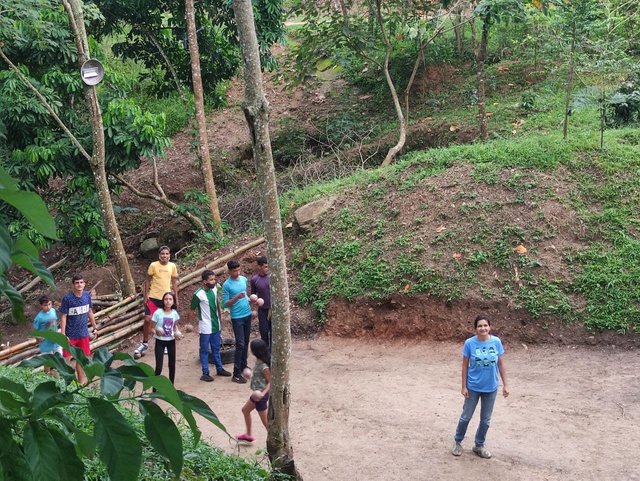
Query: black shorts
x=152, y=306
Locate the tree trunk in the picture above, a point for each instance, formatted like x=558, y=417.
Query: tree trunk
x=203, y=141
x=480, y=58
x=97, y=162
x=570, y=77
x=458, y=30
x=393, y=151
x=256, y=110
x=170, y=66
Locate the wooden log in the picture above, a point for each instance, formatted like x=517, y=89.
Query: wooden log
x=5, y=353
x=217, y=272
x=103, y=303
x=120, y=325
x=134, y=306
x=27, y=353
x=107, y=297
x=101, y=341
x=25, y=286
x=122, y=303
x=220, y=260
x=119, y=319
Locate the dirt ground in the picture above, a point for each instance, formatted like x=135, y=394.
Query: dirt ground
x=387, y=411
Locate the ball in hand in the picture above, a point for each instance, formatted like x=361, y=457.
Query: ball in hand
x=260, y=301
x=177, y=334
x=253, y=298
x=159, y=331
x=246, y=373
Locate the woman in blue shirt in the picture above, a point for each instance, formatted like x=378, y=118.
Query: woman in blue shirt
x=482, y=360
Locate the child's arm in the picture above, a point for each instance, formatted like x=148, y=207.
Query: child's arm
x=267, y=375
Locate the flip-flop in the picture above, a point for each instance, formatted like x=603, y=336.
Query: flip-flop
x=245, y=437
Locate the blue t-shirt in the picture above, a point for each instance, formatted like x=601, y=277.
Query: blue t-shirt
x=232, y=288
x=46, y=321
x=167, y=322
x=482, y=375
x=77, y=311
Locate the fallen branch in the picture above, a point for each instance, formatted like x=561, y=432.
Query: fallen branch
x=162, y=198
x=29, y=284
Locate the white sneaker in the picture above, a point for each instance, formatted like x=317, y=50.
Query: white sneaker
x=140, y=350
x=457, y=449
x=166, y=351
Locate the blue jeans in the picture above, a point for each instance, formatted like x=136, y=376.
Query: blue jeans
x=486, y=410
x=241, y=331
x=213, y=341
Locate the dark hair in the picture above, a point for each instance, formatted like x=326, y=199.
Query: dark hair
x=481, y=317
x=77, y=277
x=173, y=296
x=261, y=351
x=262, y=260
x=43, y=299
x=206, y=274
x=233, y=264
x=164, y=248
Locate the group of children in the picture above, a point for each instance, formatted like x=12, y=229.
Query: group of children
x=76, y=313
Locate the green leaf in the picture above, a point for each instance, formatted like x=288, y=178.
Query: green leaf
x=163, y=435
x=55, y=337
x=165, y=390
x=45, y=396
x=70, y=466
x=17, y=303
x=103, y=355
x=118, y=446
x=12, y=461
x=33, y=208
x=10, y=405
x=111, y=383
x=54, y=361
x=7, y=384
x=85, y=443
x=202, y=408
x=42, y=452
x=93, y=369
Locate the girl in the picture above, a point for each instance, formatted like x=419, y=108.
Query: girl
x=482, y=360
x=165, y=320
x=260, y=380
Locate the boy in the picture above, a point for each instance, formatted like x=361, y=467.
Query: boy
x=234, y=296
x=260, y=287
x=205, y=300
x=76, y=310
x=162, y=277
x=47, y=320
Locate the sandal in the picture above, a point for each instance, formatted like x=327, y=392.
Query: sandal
x=245, y=437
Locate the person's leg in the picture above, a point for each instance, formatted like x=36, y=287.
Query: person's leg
x=204, y=353
x=488, y=400
x=263, y=417
x=238, y=333
x=247, y=335
x=171, y=351
x=468, y=408
x=215, y=349
x=264, y=326
x=246, y=412
x=159, y=352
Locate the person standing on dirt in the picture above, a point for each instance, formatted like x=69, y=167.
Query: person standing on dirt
x=235, y=297
x=162, y=277
x=260, y=287
x=482, y=361
x=205, y=300
x=75, y=314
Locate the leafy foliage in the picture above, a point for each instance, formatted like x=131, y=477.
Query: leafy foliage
x=20, y=250
x=41, y=440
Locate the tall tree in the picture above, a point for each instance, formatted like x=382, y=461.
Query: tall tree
x=256, y=110
x=97, y=159
x=203, y=140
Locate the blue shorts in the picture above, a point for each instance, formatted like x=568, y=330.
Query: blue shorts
x=263, y=404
